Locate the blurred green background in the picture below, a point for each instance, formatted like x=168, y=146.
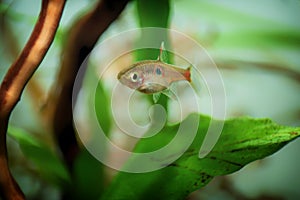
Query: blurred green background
x=256, y=46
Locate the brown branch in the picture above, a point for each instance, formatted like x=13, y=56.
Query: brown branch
x=10, y=41
x=81, y=39
x=17, y=77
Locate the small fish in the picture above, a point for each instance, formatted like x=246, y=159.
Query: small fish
x=153, y=76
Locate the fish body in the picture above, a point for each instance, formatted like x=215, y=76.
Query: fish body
x=152, y=76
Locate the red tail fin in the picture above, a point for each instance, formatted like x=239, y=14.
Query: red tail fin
x=187, y=74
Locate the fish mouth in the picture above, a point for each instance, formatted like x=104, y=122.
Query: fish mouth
x=119, y=75
x=122, y=72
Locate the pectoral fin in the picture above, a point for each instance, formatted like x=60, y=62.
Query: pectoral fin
x=156, y=97
x=169, y=94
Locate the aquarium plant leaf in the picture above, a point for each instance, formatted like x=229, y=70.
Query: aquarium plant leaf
x=242, y=141
x=47, y=163
x=155, y=13
x=102, y=108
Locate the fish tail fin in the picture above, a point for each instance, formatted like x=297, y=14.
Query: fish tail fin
x=195, y=79
x=187, y=74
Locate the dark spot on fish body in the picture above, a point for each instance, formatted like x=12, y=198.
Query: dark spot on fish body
x=158, y=71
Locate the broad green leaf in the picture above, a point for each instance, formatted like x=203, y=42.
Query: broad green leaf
x=47, y=163
x=242, y=141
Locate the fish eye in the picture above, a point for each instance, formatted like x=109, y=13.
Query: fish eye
x=134, y=76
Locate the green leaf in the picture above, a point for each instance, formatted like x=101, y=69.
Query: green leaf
x=47, y=163
x=154, y=13
x=88, y=177
x=242, y=141
x=260, y=39
x=102, y=108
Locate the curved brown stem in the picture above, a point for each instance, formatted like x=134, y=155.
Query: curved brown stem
x=9, y=39
x=81, y=39
x=17, y=77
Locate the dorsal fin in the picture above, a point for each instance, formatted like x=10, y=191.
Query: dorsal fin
x=162, y=53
